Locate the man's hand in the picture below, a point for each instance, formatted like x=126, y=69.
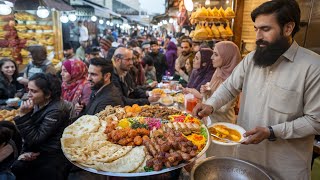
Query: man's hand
x=153, y=84
x=154, y=98
x=78, y=108
x=29, y=156
x=26, y=107
x=256, y=135
x=202, y=110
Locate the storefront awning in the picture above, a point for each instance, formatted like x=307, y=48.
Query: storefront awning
x=100, y=10
x=59, y=5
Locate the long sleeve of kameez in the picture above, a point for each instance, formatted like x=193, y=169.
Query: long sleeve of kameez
x=309, y=123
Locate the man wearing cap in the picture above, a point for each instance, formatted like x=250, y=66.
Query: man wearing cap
x=159, y=60
x=68, y=51
x=145, y=48
x=105, y=45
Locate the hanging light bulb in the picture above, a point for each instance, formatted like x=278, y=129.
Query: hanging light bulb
x=94, y=18
x=108, y=23
x=111, y=24
x=5, y=9
x=64, y=18
x=227, y=2
x=42, y=12
x=117, y=25
x=72, y=17
x=101, y=21
x=188, y=4
x=207, y=3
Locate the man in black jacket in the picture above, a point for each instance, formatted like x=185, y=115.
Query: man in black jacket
x=104, y=92
x=124, y=82
x=159, y=60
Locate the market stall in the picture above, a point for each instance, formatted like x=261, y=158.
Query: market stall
x=24, y=29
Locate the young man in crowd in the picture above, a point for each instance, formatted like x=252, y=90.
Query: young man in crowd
x=104, y=92
x=159, y=60
x=186, y=53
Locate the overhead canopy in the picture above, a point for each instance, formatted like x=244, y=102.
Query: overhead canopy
x=59, y=5
x=100, y=10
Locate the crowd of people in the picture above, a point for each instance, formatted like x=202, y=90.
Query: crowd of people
x=275, y=103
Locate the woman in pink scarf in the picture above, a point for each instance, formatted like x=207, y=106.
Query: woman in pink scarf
x=75, y=87
x=225, y=58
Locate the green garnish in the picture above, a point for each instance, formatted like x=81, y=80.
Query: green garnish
x=204, y=132
x=148, y=169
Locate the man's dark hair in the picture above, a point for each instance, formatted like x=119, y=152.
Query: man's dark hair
x=285, y=10
x=147, y=60
x=67, y=46
x=79, y=21
x=106, y=66
x=48, y=83
x=154, y=42
x=133, y=43
x=38, y=53
x=187, y=40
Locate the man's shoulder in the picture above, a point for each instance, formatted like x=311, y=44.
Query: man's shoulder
x=305, y=55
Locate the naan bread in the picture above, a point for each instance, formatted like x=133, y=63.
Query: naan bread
x=110, y=153
x=83, y=125
x=125, y=164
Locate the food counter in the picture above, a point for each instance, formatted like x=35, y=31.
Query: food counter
x=24, y=29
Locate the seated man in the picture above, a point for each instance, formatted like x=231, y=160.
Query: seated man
x=123, y=62
x=103, y=90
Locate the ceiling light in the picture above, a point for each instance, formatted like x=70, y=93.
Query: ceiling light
x=101, y=21
x=108, y=23
x=72, y=17
x=188, y=4
x=42, y=12
x=94, y=18
x=5, y=9
x=111, y=24
x=64, y=18
x=207, y=3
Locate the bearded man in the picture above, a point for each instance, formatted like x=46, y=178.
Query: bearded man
x=104, y=92
x=280, y=107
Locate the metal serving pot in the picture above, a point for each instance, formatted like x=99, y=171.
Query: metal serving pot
x=225, y=168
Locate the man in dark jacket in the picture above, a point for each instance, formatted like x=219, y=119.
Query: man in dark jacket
x=124, y=82
x=159, y=60
x=104, y=92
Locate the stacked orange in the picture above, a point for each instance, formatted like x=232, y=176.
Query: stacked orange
x=133, y=110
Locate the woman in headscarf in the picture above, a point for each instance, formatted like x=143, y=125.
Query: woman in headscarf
x=171, y=56
x=226, y=56
x=202, y=70
x=75, y=87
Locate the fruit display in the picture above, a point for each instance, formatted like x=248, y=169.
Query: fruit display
x=211, y=15
x=211, y=23
x=25, y=29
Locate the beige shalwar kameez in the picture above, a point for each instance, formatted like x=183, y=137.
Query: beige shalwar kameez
x=285, y=96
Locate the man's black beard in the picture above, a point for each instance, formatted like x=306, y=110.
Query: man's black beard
x=268, y=55
x=185, y=53
x=98, y=85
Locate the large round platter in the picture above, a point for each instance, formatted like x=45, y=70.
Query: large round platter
x=231, y=126
x=88, y=127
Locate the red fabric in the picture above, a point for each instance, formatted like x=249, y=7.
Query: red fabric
x=67, y=65
x=72, y=91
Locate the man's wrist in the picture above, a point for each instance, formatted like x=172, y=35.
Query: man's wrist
x=271, y=137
